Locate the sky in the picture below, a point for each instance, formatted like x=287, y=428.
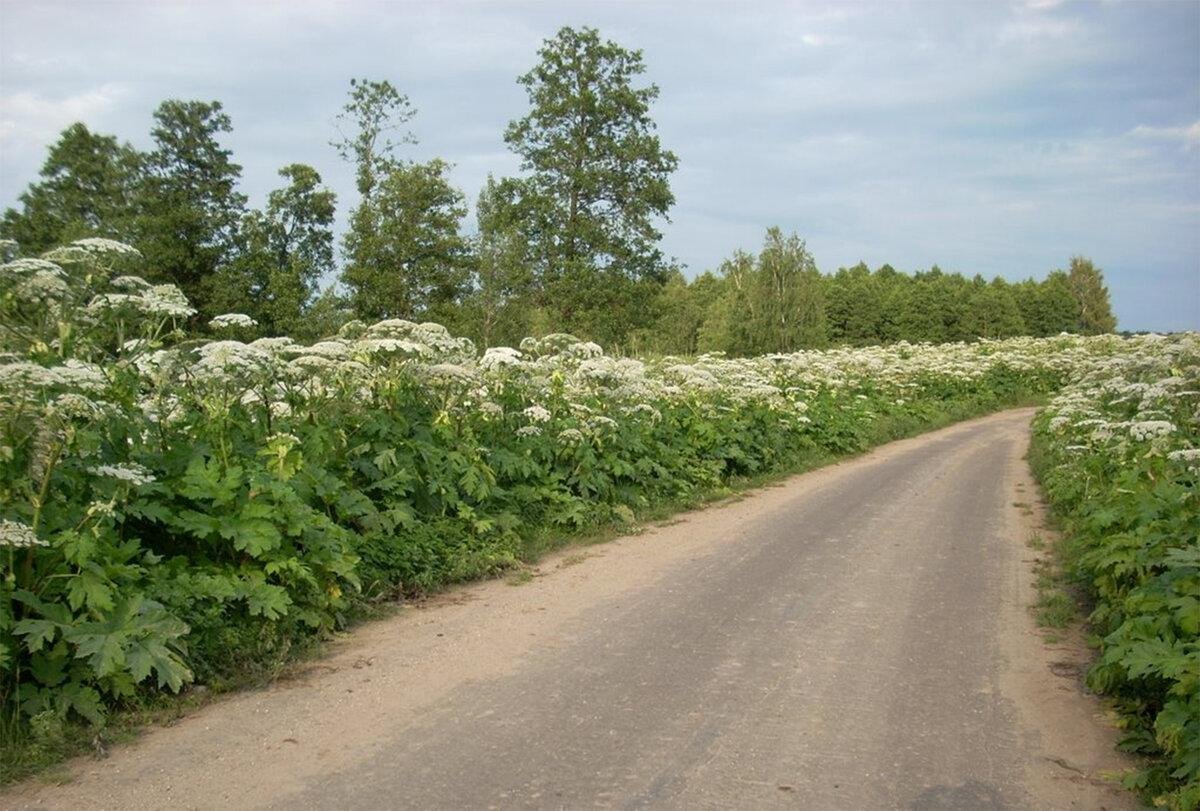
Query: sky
x=993, y=138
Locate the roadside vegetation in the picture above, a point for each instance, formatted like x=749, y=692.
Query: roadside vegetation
x=175, y=505
x=1118, y=455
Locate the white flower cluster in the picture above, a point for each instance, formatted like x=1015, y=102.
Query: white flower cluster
x=1186, y=455
x=231, y=320
x=101, y=246
x=497, y=357
x=128, y=473
x=16, y=535
x=159, y=300
x=1142, y=399
x=537, y=413
x=25, y=266
x=74, y=375
x=1144, y=430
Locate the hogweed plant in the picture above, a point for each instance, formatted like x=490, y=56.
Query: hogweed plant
x=1118, y=450
x=75, y=624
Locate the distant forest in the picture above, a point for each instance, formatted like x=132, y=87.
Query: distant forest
x=569, y=245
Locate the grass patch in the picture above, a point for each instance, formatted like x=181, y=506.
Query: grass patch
x=520, y=577
x=1056, y=606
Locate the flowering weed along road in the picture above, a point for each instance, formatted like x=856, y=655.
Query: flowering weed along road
x=1118, y=452
x=175, y=508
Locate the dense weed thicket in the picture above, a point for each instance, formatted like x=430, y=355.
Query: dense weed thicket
x=1118, y=452
x=169, y=506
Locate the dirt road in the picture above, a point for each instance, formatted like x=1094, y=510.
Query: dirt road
x=857, y=637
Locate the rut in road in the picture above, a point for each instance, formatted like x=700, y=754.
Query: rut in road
x=856, y=637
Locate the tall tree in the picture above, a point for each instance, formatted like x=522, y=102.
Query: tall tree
x=598, y=179
x=188, y=205
x=499, y=307
x=681, y=310
x=405, y=254
x=853, y=306
x=771, y=303
x=992, y=311
x=86, y=188
x=921, y=317
x=1048, y=307
x=375, y=112
x=1090, y=293
x=285, y=249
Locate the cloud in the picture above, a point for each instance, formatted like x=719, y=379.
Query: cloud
x=29, y=117
x=1189, y=135
x=1029, y=29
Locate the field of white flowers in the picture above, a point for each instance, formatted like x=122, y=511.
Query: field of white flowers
x=171, y=505
x=1118, y=453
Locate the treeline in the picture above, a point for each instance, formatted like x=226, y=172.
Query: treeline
x=779, y=302
x=570, y=245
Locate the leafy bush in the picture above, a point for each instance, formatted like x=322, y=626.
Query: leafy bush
x=1119, y=454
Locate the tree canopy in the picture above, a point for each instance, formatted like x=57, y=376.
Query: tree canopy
x=598, y=179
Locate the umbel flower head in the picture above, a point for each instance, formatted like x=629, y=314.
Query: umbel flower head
x=16, y=535
x=229, y=320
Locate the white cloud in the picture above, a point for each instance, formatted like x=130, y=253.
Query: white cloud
x=1029, y=30
x=1189, y=135
x=32, y=118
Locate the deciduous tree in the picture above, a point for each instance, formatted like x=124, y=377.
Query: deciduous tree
x=405, y=254
x=375, y=113
x=598, y=180
x=188, y=205
x=771, y=303
x=285, y=249
x=86, y=189
x=1087, y=286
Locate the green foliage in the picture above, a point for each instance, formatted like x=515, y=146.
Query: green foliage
x=992, y=312
x=1119, y=456
x=86, y=189
x=598, y=179
x=750, y=308
x=187, y=207
x=499, y=309
x=374, y=111
x=405, y=256
x=772, y=303
x=681, y=310
x=572, y=244
x=283, y=252
x=1048, y=307
x=854, y=306
x=1091, y=295
x=172, y=507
